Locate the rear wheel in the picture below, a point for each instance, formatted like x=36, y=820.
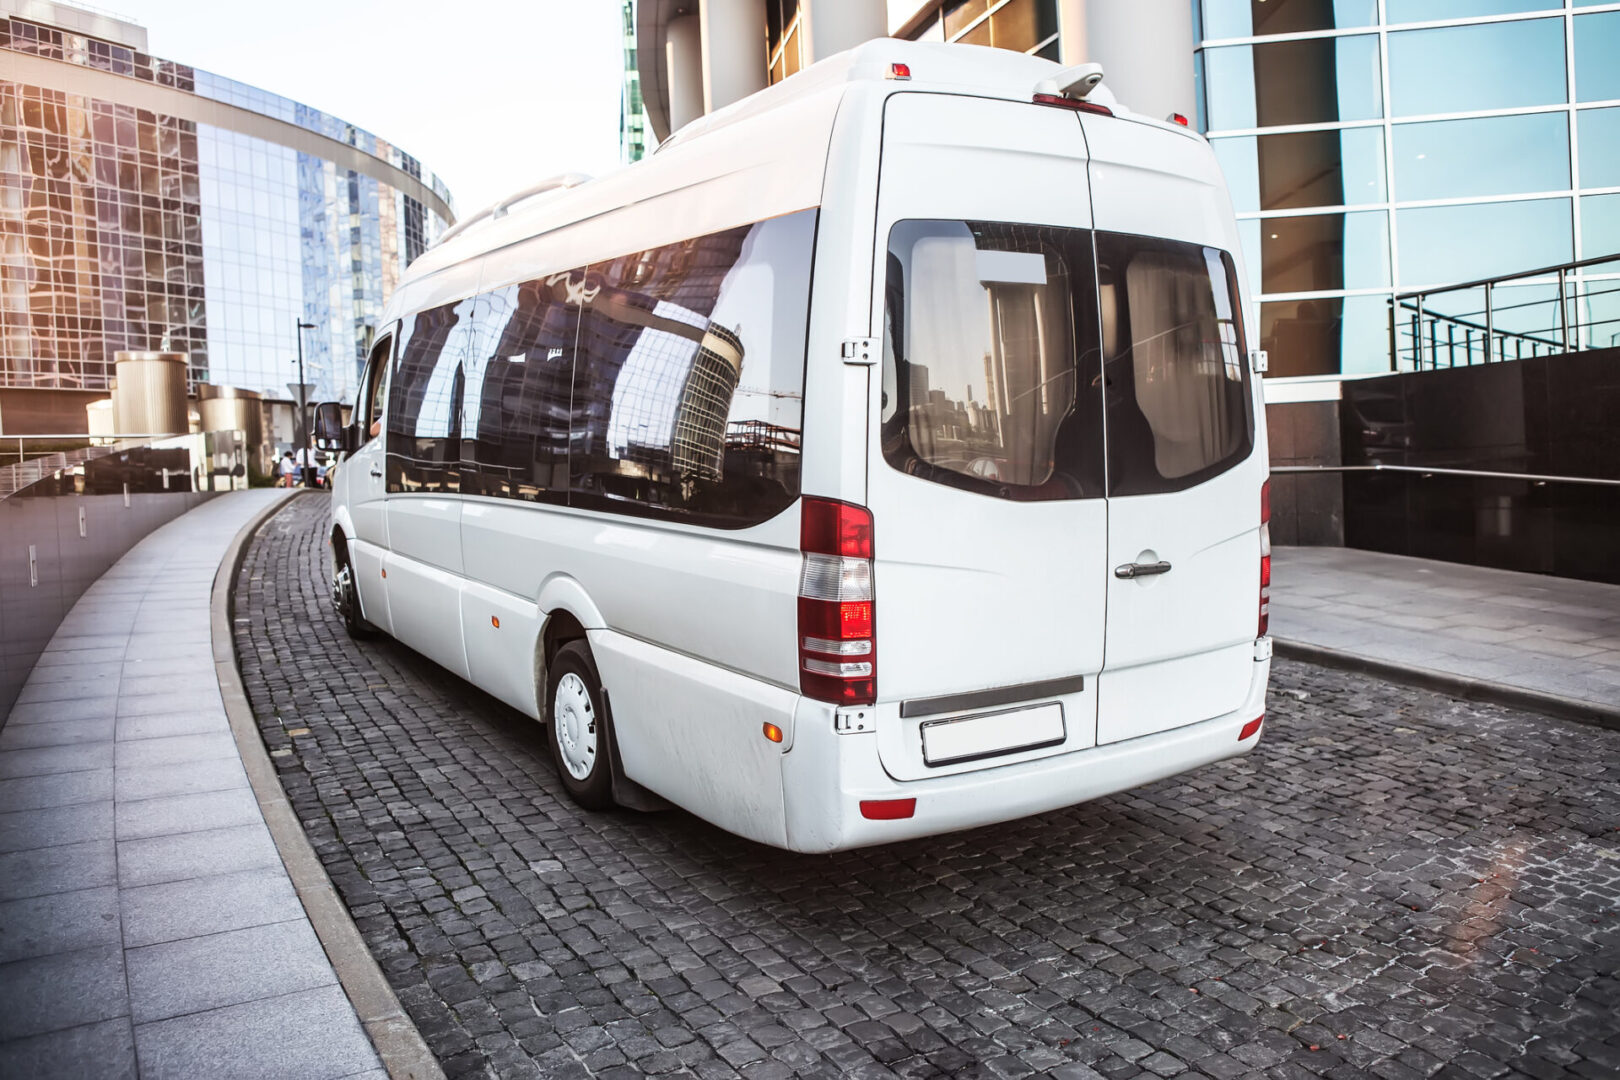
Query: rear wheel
x=346, y=596
x=581, y=734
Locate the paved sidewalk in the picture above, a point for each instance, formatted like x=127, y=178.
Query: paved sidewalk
x=1528, y=633
x=147, y=925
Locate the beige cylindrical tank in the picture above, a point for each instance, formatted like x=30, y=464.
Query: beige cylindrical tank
x=98, y=417
x=227, y=408
x=149, y=393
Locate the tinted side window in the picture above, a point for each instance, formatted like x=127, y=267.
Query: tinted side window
x=368, y=408
x=1175, y=365
x=424, y=400
x=518, y=390
x=990, y=359
x=689, y=383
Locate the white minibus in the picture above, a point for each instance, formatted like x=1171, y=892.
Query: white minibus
x=882, y=457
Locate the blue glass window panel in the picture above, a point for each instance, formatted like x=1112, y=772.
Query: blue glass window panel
x=1473, y=68
x=1600, y=147
x=1597, y=57
x=1445, y=244
x=1600, y=231
x=1408, y=11
x=1312, y=81
x=1301, y=169
x=1326, y=335
x=1495, y=155
x=1324, y=252
x=1246, y=18
x=1249, y=234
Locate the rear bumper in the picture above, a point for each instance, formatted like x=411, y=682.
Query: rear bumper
x=827, y=775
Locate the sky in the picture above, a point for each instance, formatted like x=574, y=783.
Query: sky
x=492, y=95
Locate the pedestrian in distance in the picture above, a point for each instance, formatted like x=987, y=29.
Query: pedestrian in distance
x=287, y=471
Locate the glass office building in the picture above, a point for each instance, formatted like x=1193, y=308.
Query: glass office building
x=147, y=205
x=1376, y=147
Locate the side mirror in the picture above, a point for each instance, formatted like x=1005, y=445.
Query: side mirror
x=329, y=426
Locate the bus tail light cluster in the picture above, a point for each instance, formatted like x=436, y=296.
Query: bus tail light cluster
x=837, y=647
x=1265, y=558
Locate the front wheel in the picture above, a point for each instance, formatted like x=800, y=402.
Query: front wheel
x=346, y=597
x=581, y=736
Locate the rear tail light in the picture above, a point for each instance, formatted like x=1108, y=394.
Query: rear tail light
x=1265, y=558
x=1077, y=104
x=837, y=647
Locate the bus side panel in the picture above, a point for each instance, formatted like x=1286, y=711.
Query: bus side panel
x=501, y=631
x=693, y=733
x=424, y=603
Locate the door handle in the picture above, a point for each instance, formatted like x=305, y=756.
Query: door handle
x=376, y=470
x=1140, y=569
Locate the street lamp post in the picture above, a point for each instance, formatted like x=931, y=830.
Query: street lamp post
x=306, y=467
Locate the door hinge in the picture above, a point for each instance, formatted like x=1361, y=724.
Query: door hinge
x=851, y=721
x=861, y=350
x=1259, y=360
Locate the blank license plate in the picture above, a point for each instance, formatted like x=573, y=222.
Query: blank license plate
x=964, y=738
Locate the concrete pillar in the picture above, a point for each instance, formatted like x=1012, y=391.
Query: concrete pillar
x=831, y=26
x=1145, y=48
x=733, y=50
x=1072, y=32
x=683, y=65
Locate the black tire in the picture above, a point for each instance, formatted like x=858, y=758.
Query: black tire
x=583, y=733
x=346, y=597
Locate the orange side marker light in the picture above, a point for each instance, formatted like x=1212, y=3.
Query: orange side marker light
x=773, y=733
x=495, y=621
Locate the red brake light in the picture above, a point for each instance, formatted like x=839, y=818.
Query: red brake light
x=1072, y=103
x=1265, y=558
x=837, y=612
x=836, y=528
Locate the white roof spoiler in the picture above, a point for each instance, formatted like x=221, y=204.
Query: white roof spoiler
x=1072, y=82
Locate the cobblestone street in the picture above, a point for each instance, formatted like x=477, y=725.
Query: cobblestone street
x=1394, y=884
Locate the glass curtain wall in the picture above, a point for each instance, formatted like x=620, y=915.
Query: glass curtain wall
x=1383, y=146
x=124, y=229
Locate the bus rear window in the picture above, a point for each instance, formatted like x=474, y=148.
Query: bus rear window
x=985, y=385
x=1179, y=405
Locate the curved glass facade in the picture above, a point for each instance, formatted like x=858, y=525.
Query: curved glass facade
x=129, y=228
x=1383, y=146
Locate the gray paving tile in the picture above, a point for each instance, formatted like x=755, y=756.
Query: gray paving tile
x=40, y=871
x=55, y=657
x=184, y=813
x=228, y=968
x=58, y=789
x=110, y=670
x=77, y=689
x=33, y=712
x=56, y=733
x=170, y=702
x=175, y=749
x=44, y=760
x=199, y=679
x=311, y=1035
x=209, y=905
x=105, y=1050
x=167, y=666
x=178, y=856
x=62, y=990
x=61, y=922
x=154, y=781
x=163, y=725
x=77, y=642
x=154, y=647
x=53, y=826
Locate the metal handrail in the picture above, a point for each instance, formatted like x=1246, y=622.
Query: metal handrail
x=1566, y=341
x=1538, y=478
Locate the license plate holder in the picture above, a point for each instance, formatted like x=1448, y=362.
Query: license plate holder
x=957, y=739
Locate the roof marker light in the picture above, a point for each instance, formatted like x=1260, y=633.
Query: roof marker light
x=1177, y=118
x=899, y=71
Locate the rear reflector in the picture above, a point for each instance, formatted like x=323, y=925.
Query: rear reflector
x=1251, y=727
x=1076, y=104
x=887, y=809
x=837, y=650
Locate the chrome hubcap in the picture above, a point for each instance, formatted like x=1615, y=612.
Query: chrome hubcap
x=342, y=589
x=574, y=719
